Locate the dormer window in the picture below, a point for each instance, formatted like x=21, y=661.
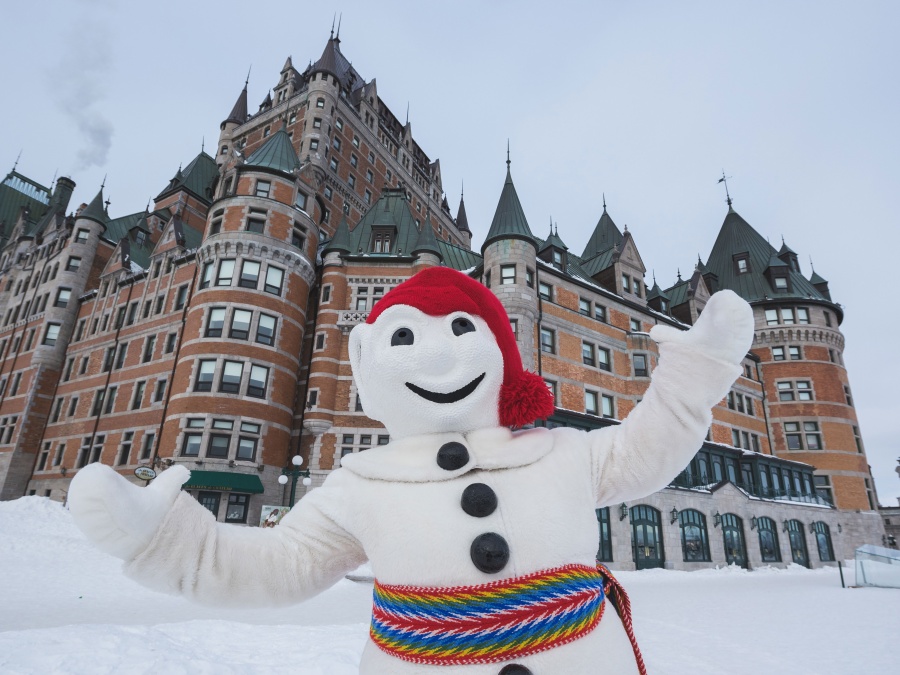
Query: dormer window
x=781, y=284
x=140, y=237
x=381, y=241
x=742, y=263
x=664, y=304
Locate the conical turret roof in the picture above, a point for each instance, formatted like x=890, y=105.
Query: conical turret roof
x=509, y=219
x=816, y=278
x=553, y=241
x=238, y=113
x=96, y=210
x=277, y=154
x=656, y=292
x=427, y=242
x=341, y=239
x=462, y=222
x=604, y=237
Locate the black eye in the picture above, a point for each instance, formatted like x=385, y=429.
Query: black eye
x=402, y=336
x=461, y=326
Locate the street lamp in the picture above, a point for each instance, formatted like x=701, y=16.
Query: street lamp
x=294, y=473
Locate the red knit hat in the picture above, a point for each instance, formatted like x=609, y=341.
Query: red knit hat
x=439, y=291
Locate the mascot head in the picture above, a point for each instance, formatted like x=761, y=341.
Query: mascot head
x=437, y=354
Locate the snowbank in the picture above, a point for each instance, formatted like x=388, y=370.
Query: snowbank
x=66, y=608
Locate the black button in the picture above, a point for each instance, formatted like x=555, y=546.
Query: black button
x=452, y=456
x=514, y=669
x=489, y=552
x=479, y=500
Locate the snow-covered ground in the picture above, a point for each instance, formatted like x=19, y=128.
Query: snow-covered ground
x=66, y=608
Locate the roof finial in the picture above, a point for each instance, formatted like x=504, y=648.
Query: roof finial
x=338, y=36
x=626, y=227
x=103, y=184
x=811, y=264
x=507, y=155
x=462, y=189
x=16, y=163
x=333, y=18
x=604, y=201
x=782, y=239
x=699, y=260
x=407, y=114
x=679, y=274
x=724, y=179
x=654, y=277
x=247, y=81
x=56, y=171
x=557, y=230
x=106, y=204
x=551, y=225
x=147, y=208
x=202, y=143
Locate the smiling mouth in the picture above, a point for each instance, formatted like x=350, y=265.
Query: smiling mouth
x=452, y=397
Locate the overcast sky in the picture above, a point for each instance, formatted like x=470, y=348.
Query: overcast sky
x=647, y=102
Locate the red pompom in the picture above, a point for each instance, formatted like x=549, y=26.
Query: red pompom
x=525, y=400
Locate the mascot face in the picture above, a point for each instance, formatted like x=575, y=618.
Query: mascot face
x=420, y=374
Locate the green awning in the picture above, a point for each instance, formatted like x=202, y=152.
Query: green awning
x=224, y=481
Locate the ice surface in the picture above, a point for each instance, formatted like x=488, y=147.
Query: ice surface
x=66, y=608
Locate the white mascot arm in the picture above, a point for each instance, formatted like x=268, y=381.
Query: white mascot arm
x=171, y=543
x=663, y=433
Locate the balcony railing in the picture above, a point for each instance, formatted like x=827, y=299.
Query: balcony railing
x=689, y=480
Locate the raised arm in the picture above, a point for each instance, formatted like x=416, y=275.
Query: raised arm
x=661, y=435
x=171, y=543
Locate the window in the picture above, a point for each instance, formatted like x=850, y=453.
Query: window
x=81, y=236
x=80, y=330
x=267, y=131
x=778, y=353
x=190, y=447
x=787, y=316
x=132, y=313
x=206, y=278
x=742, y=263
x=263, y=187
x=806, y=437
x=600, y=313
x=828, y=319
x=326, y=294
x=635, y=325
x=72, y=264
x=246, y=449
x=768, y=540
x=215, y=322
x=604, y=359
x=236, y=510
x=694, y=536
x=217, y=445
x=608, y=406
x=858, y=439
x=823, y=541
x=120, y=356
x=137, y=400
x=320, y=341
x=312, y=399
x=320, y=102
x=68, y=371
x=249, y=274
x=848, y=396
x=256, y=385
x=339, y=123
x=351, y=180
x=265, y=329
x=802, y=315
x=514, y=325
x=57, y=409
x=771, y=317
x=587, y=354
x=823, y=488
x=591, y=402
x=370, y=177
x=226, y=271
x=73, y=406
x=205, y=372
x=171, y=338
x=300, y=201
x=314, y=145
x=604, y=552
x=17, y=380
x=97, y=408
x=336, y=143
x=160, y=391
x=240, y=324
x=333, y=164
x=149, y=344
x=231, y=377
x=256, y=221
x=626, y=283
x=125, y=449
x=636, y=286
x=781, y=283
x=640, y=366
x=274, y=279
x=62, y=297
x=110, y=400
x=548, y=341
x=51, y=335
x=545, y=291
x=584, y=306
x=529, y=278
x=799, y=391
x=507, y=274
x=368, y=196
x=146, y=311
x=551, y=386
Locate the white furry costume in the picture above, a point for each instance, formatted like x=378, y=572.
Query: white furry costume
x=396, y=506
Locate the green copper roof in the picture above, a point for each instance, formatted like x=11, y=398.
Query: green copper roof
x=678, y=294
x=96, y=210
x=604, y=237
x=196, y=178
x=426, y=242
x=657, y=292
x=599, y=262
x=459, y=258
x=277, y=154
x=817, y=279
x=737, y=237
x=391, y=213
x=553, y=241
x=341, y=239
x=462, y=222
x=509, y=219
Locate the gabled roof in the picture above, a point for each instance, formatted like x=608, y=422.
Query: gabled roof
x=604, y=237
x=238, y=113
x=509, y=219
x=276, y=154
x=737, y=237
x=196, y=178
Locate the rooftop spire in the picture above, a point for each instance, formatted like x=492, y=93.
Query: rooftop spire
x=247, y=81
x=16, y=163
x=334, y=16
x=238, y=113
x=507, y=155
x=338, y=36
x=724, y=179
x=604, y=201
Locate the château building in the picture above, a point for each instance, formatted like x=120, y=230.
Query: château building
x=210, y=330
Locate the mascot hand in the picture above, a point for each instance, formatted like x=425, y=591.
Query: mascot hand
x=119, y=517
x=724, y=330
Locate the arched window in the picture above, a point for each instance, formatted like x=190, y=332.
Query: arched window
x=604, y=552
x=823, y=541
x=799, y=555
x=768, y=540
x=647, y=537
x=694, y=536
x=733, y=534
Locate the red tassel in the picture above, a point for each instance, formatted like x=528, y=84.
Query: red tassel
x=525, y=400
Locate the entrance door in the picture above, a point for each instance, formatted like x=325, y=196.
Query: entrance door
x=647, y=537
x=733, y=532
x=210, y=500
x=798, y=543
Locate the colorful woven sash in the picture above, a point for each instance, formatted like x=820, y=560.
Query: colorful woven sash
x=499, y=621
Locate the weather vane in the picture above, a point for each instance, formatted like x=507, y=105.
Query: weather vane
x=724, y=179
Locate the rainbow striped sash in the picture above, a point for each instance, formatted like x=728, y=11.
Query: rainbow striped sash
x=498, y=621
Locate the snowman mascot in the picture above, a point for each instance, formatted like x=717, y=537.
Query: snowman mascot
x=482, y=539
